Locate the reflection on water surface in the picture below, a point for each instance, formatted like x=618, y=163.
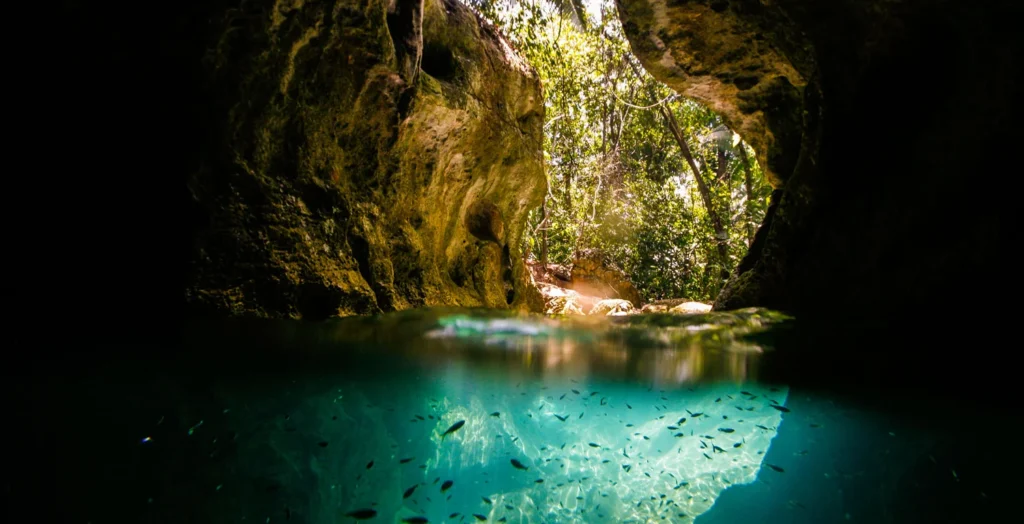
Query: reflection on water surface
x=466, y=416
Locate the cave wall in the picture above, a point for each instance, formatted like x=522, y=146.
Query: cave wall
x=350, y=165
x=880, y=124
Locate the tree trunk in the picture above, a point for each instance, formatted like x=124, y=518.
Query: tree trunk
x=544, y=235
x=749, y=183
x=721, y=237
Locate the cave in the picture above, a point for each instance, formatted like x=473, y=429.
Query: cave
x=239, y=186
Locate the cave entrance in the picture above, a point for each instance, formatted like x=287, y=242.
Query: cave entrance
x=651, y=196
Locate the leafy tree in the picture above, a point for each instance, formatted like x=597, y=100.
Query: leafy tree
x=653, y=180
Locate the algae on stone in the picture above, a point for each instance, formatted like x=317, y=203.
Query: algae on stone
x=331, y=186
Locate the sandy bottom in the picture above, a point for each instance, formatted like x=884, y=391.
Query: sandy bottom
x=624, y=453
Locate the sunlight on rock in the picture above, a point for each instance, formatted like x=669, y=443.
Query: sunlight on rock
x=612, y=307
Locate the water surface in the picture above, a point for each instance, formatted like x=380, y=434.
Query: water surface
x=636, y=419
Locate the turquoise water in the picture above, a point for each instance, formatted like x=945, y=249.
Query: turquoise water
x=639, y=419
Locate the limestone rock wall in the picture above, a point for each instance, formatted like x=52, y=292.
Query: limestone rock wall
x=878, y=122
x=339, y=178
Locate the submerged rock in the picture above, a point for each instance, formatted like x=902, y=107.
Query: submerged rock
x=351, y=167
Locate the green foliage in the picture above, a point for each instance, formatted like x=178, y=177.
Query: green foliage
x=618, y=179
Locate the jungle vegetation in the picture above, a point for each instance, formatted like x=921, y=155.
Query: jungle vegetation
x=653, y=181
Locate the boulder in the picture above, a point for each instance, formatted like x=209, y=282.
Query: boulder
x=612, y=306
x=690, y=308
x=593, y=274
x=563, y=305
x=357, y=160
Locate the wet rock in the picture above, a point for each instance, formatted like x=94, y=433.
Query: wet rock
x=566, y=304
x=612, y=306
x=594, y=275
x=353, y=167
x=869, y=117
x=662, y=305
x=691, y=307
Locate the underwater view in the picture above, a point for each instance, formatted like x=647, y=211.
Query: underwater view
x=474, y=416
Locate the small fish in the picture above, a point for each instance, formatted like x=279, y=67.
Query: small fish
x=560, y=417
x=563, y=396
x=726, y=430
x=436, y=479
x=814, y=425
x=681, y=421
x=509, y=507
x=627, y=467
x=322, y=443
x=362, y=514
x=679, y=435
x=592, y=393
x=447, y=484
x=746, y=393
x=594, y=445
x=719, y=399
x=738, y=444
x=706, y=456
x=502, y=519
x=369, y=464
x=487, y=500
x=538, y=481
x=420, y=417
x=761, y=427
x=672, y=428
x=415, y=520
x=775, y=468
x=581, y=415
x=604, y=401
x=518, y=465
x=783, y=409
x=454, y=427
x=716, y=449
x=408, y=493
x=406, y=460
x=629, y=425
x=628, y=406
x=453, y=515
x=576, y=392
x=479, y=517
x=496, y=414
